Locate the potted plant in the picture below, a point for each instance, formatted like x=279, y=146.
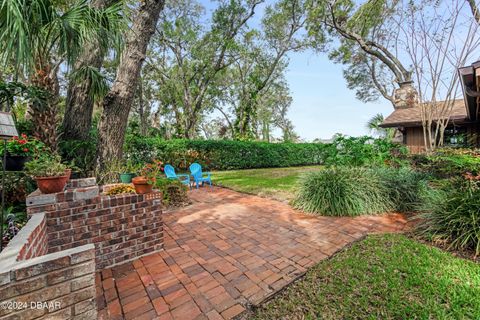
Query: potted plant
x=49, y=173
x=19, y=151
x=128, y=172
x=148, y=176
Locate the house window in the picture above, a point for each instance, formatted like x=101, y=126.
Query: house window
x=455, y=137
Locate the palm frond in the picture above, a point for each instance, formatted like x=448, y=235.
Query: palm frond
x=98, y=82
x=31, y=31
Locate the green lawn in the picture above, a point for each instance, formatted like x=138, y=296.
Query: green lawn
x=382, y=277
x=277, y=183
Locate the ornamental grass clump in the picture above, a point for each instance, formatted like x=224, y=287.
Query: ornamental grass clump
x=404, y=187
x=343, y=191
x=451, y=214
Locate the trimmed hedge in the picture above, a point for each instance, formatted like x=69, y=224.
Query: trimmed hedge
x=234, y=155
x=225, y=154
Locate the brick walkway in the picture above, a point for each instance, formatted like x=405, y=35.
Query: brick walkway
x=224, y=253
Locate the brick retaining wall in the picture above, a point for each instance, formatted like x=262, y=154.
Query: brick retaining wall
x=48, y=270
x=34, y=284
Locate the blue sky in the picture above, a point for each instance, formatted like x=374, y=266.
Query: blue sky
x=322, y=103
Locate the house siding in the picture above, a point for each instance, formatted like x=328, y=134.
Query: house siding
x=473, y=138
x=414, y=139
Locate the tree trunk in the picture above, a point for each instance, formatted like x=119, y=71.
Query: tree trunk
x=45, y=116
x=79, y=104
x=142, y=112
x=118, y=101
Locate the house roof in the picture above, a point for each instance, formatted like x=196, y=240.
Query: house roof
x=412, y=117
x=469, y=77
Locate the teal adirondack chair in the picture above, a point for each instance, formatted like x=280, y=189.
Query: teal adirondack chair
x=199, y=176
x=183, y=178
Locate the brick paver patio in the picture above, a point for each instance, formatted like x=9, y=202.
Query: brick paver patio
x=224, y=253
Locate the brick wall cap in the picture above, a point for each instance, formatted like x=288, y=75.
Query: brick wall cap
x=82, y=183
x=16, y=265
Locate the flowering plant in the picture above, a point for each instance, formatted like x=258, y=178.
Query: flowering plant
x=23, y=146
x=151, y=171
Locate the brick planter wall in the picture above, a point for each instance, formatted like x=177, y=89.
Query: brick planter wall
x=122, y=227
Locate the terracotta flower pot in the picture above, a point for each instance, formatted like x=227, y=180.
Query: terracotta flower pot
x=51, y=184
x=141, y=185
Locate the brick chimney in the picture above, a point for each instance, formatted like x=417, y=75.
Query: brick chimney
x=406, y=96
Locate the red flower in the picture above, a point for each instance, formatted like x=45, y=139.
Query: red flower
x=22, y=141
x=25, y=149
x=24, y=135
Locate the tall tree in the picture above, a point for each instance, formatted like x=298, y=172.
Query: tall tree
x=280, y=26
x=365, y=41
x=194, y=56
x=87, y=82
x=118, y=101
x=437, y=39
x=474, y=9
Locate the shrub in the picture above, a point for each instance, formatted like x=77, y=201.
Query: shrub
x=80, y=152
x=448, y=162
x=174, y=192
x=404, y=187
x=451, y=214
x=224, y=154
x=343, y=191
x=360, y=151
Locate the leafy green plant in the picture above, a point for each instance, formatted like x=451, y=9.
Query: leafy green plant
x=448, y=162
x=451, y=214
x=360, y=151
x=17, y=186
x=46, y=166
x=80, y=152
x=152, y=171
x=343, y=191
x=129, y=167
x=174, y=192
